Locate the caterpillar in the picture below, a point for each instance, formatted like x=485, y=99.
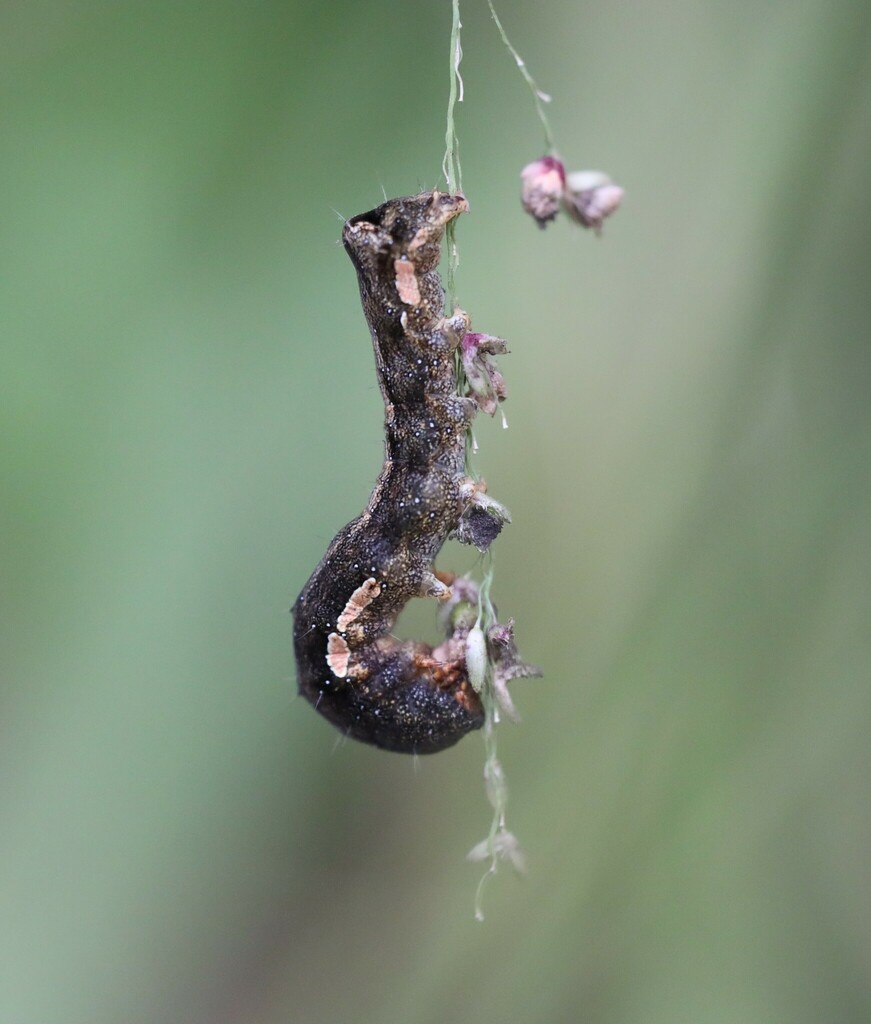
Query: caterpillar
x=406, y=696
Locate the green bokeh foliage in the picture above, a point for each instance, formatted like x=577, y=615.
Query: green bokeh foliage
x=189, y=412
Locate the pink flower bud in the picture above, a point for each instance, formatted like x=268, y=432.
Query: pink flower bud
x=590, y=197
x=543, y=184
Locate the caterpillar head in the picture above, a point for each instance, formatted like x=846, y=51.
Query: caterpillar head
x=410, y=228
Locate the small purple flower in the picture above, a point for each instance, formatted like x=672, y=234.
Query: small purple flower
x=590, y=197
x=544, y=182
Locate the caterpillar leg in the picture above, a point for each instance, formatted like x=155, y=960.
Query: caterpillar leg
x=432, y=586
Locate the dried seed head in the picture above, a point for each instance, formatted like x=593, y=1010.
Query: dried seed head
x=590, y=197
x=486, y=383
x=479, y=527
x=506, y=664
x=544, y=181
x=503, y=846
x=460, y=612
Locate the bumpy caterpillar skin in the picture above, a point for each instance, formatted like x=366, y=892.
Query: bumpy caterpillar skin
x=400, y=696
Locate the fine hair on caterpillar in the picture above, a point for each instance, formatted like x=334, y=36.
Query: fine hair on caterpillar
x=407, y=696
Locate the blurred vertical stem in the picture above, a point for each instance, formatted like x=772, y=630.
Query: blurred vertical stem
x=451, y=163
x=539, y=97
x=494, y=778
x=493, y=847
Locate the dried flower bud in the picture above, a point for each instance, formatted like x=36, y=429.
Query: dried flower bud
x=479, y=527
x=483, y=517
x=507, y=665
x=476, y=658
x=486, y=383
x=544, y=181
x=503, y=846
x=590, y=197
x=460, y=612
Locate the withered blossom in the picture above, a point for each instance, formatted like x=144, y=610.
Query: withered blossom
x=507, y=665
x=486, y=383
x=503, y=846
x=544, y=182
x=590, y=197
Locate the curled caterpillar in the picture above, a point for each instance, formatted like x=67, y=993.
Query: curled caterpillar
x=405, y=696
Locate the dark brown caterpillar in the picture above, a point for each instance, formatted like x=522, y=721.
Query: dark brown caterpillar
x=402, y=696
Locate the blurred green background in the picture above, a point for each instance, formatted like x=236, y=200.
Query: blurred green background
x=189, y=412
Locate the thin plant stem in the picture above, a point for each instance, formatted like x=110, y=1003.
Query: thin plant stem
x=497, y=791
x=539, y=97
x=451, y=162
